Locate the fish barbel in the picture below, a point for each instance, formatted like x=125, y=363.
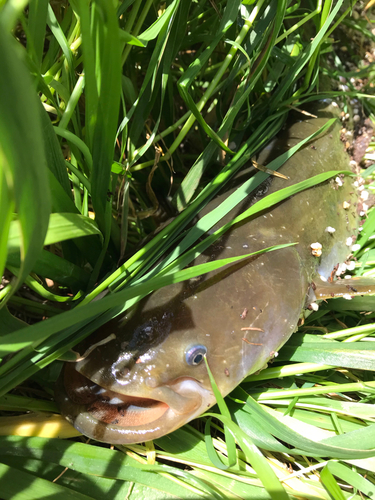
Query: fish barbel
x=151, y=377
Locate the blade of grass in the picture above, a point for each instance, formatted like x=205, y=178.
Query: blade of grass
x=60, y=270
x=37, y=287
x=22, y=144
x=269, y=479
x=60, y=37
x=101, y=54
x=14, y=482
x=331, y=484
x=229, y=439
x=6, y=210
x=350, y=476
x=37, y=28
x=62, y=226
x=54, y=157
x=9, y=323
x=304, y=348
x=344, y=446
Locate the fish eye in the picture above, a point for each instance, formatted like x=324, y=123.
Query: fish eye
x=194, y=356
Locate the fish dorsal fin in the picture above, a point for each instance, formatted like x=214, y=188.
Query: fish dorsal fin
x=345, y=287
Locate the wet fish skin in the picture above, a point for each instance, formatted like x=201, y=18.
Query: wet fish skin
x=241, y=314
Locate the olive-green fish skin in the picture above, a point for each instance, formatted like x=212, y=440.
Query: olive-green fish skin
x=242, y=314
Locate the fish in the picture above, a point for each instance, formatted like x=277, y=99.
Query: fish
x=145, y=373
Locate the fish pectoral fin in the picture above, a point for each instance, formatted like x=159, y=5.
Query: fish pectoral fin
x=346, y=288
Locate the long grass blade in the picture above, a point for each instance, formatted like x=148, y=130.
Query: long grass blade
x=25, y=168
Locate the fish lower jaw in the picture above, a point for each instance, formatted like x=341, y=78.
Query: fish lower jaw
x=114, y=433
x=116, y=418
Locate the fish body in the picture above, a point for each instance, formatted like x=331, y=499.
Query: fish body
x=151, y=378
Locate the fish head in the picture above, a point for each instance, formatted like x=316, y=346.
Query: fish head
x=148, y=379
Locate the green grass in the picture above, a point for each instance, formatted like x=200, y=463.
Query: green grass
x=104, y=104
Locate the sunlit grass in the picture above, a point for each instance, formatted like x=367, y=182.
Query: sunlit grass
x=168, y=99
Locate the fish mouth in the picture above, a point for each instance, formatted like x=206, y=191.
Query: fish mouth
x=118, y=418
